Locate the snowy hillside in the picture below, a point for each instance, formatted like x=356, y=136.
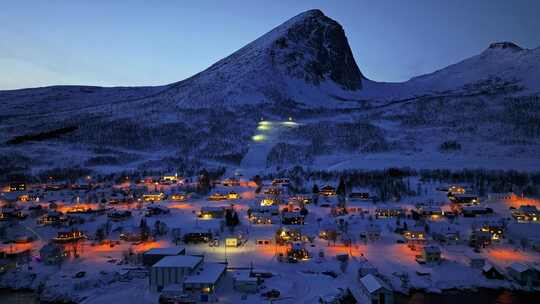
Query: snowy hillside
x=483, y=110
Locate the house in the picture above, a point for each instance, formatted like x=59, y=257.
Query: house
x=17, y=186
x=202, y=283
x=69, y=236
x=52, y=218
x=375, y=291
x=474, y=210
x=154, y=255
x=371, y=232
x=456, y=189
x=327, y=191
x=328, y=230
x=52, y=254
x=172, y=270
x=271, y=209
x=7, y=214
x=260, y=218
x=274, y=190
x=444, y=233
x=156, y=210
x=363, y=196
x=197, y=235
x=300, y=200
x=527, y=213
x=522, y=273
x=244, y=282
x=292, y=218
x=212, y=212
x=297, y=251
x=231, y=182
x=496, y=228
x=117, y=216
x=465, y=199
x=492, y=272
x=430, y=254
x=169, y=178
x=390, y=211
x=285, y=235
x=217, y=196
x=432, y=212
x=476, y=261
x=233, y=195
x=133, y=234
x=415, y=237
x=153, y=197
x=281, y=182
x=178, y=197
x=366, y=268
x=268, y=202
x=480, y=239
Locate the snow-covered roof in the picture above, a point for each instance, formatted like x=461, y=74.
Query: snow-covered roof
x=166, y=251
x=432, y=249
x=371, y=283
x=431, y=208
x=244, y=276
x=519, y=267
x=208, y=273
x=183, y=261
x=212, y=209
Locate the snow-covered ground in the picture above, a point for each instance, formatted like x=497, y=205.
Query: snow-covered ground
x=298, y=283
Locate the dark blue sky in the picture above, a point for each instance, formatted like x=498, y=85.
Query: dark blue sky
x=156, y=42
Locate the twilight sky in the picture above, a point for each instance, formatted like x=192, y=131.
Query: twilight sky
x=113, y=43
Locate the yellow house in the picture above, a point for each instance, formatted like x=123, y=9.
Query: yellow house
x=233, y=195
x=153, y=197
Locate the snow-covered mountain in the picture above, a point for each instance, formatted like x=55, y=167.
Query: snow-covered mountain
x=501, y=64
x=505, y=61
x=303, y=68
x=306, y=59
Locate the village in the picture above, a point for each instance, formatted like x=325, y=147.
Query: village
x=236, y=239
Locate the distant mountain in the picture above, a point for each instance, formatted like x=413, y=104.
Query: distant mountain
x=302, y=68
x=501, y=64
x=504, y=61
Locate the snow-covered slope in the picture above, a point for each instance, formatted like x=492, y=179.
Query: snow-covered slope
x=303, y=68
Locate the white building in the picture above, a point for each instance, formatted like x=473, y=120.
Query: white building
x=202, y=283
x=375, y=291
x=172, y=270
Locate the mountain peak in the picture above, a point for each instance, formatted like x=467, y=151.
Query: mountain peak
x=504, y=45
x=313, y=47
x=312, y=12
